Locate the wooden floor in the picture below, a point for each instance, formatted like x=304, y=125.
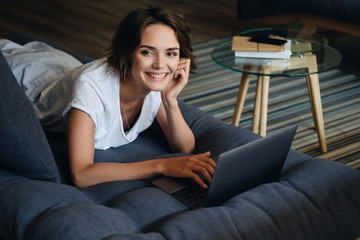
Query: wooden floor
x=87, y=26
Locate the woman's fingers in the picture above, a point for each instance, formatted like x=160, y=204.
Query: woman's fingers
x=184, y=68
x=191, y=167
x=181, y=78
x=204, y=166
x=198, y=180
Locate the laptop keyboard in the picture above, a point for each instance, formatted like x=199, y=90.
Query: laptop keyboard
x=194, y=196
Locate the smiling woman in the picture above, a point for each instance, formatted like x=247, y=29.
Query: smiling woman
x=155, y=61
x=110, y=101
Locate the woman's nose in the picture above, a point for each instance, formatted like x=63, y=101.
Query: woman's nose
x=159, y=62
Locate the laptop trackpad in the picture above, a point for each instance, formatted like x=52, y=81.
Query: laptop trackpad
x=171, y=185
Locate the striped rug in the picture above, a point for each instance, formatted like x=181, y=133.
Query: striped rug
x=214, y=90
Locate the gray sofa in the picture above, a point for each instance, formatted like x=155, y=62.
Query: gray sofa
x=313, y=199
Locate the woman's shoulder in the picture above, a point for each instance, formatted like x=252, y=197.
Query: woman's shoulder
x=95, y=66
x=94, y=81
x=95, y=72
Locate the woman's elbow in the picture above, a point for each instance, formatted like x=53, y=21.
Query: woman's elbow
x=189, y=148
x=79, y=180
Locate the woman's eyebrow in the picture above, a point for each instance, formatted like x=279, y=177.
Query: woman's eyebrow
x=174, y=48
x=150, y=47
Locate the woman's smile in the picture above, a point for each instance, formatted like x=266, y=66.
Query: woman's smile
x=157, y=76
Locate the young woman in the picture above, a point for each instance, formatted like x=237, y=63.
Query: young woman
x=109, y=101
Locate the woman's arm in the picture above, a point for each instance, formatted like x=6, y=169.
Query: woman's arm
x=81, y=148
x=177, y=132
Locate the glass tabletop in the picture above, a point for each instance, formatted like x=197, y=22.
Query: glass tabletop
x=306, y=47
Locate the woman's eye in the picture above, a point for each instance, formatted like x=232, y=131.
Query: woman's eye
x=146, y=52
x=172, y=54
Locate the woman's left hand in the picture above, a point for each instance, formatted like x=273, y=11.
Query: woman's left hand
x=177, y=84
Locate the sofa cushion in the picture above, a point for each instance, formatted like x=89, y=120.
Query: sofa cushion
x=24, y=149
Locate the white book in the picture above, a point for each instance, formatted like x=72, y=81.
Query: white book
x=277, y=55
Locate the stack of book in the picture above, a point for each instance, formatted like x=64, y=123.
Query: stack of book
x=251, y=48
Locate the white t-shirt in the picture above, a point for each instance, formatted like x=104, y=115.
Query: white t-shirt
x=96, y=91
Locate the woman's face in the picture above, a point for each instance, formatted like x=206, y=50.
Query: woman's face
x=156, y=58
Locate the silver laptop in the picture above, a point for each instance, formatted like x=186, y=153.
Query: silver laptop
x=237, y=170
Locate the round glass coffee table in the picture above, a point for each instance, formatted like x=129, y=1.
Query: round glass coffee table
x=310, y=55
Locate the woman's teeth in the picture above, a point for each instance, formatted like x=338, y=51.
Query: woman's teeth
x=157, y=75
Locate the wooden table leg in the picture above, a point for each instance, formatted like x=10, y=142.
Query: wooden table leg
x=315, y=102
x=264, y=105
x=261, y=102
x=311, y=101
x=244, y=85
x=257, y=105
x=314, y=88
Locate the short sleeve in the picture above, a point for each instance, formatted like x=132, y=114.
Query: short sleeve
x=86, y=99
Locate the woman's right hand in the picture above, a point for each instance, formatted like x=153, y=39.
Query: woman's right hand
x=190, y=167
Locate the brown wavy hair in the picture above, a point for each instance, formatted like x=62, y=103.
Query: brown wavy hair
x=128, y=36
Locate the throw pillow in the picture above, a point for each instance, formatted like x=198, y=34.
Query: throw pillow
x=24, y=149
